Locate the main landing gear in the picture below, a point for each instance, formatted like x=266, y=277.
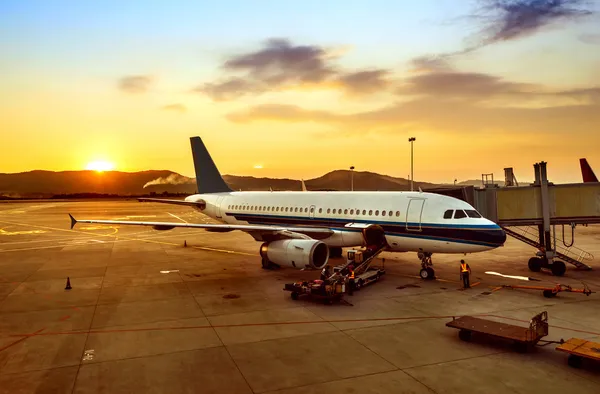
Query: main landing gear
x=427, y=272
x=335, y=252
x=557, y=267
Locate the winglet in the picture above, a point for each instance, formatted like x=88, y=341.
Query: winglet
x=73, y=221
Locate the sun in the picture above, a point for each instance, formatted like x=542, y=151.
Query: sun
x=100, y=166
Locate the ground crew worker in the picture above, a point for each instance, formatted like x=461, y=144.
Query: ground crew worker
x=325, y=273
x=351, y=279
x=465, y=272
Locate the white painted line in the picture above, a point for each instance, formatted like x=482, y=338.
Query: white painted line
x=176, y=217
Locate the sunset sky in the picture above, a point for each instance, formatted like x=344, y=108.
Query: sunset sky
x=299, y=88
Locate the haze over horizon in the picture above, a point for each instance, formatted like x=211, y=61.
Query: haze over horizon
x=298, y=89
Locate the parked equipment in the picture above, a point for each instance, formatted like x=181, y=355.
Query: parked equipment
x=523, y=338
x=324, y=290
x=578, y=349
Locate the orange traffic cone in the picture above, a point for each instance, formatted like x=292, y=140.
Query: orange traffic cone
x=68, y=284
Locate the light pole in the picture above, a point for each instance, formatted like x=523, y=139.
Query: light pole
x=352, y=178
x=412, y=175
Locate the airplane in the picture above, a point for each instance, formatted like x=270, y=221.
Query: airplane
x=304, y=229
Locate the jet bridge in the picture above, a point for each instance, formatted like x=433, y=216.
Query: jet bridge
x=531, y=214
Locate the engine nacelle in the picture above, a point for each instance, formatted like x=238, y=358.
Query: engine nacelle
x=296, y=253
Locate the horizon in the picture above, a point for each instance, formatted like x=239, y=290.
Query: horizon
x=124, y=86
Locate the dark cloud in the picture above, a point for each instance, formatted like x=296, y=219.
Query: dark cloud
x=431, y=114
x=454, y=84
x=175, y=108
x=135, y=83
x=513, y=19
x=593, y=39
x=365, y=82
x=229, y=89
x=430, y=63
x=281, y=64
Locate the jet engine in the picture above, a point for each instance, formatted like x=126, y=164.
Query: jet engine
x=296, y=253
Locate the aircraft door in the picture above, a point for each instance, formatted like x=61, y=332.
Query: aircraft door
x=414, y=213
x=218, y=209
x=311, y=211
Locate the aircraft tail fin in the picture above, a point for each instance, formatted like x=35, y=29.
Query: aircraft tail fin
x=586, y=171
x=208, y=178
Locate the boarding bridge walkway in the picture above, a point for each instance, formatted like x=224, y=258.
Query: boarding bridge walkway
x=538, y=207
x=571, y=254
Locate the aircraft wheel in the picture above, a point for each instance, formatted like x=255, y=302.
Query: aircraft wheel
x=558, y=268
x=294, y=295
x=431, y=273
x=426, y=273
x=535, y=264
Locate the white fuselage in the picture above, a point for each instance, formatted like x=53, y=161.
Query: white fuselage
x=412, y=221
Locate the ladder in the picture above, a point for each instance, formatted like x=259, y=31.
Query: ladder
x=571, y=255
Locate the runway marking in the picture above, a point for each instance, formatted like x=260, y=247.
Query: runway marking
x=176, y=217
x=4, y=232
x=122, y=237
x=20, y=340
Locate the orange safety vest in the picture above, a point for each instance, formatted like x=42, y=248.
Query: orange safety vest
x=351, y=274
x=463, y=268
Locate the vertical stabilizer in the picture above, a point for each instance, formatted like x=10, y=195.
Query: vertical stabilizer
x=586, y=171
x=208, y=178
x=303, y=185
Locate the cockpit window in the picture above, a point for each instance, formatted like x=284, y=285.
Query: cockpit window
x=448, y=214
x=459, y=214
x=472, y=213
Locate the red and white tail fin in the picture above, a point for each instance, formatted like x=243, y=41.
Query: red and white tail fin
x=586, y=171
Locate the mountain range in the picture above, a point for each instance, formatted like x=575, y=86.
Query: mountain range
x=48, y=184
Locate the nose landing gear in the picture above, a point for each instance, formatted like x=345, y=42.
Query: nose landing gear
x=427, y=272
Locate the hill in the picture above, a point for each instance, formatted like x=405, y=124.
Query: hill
x=46, y=184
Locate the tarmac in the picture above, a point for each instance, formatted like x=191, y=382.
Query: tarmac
x=148, y=314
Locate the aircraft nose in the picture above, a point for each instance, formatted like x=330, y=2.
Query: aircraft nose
x=497, y=235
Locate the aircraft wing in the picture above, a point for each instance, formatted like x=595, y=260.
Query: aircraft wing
x=199, y=204
x=254, y=230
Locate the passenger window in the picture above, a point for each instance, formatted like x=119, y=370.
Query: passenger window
x=352, y=212
x=305, y=209
x=345, y=211
x=472, y=213
x=397, y=213
x=382, y=213
x=459, y=214
x=312, y=209
x=377, y=213
x=320, y=210
x=277, y=209
x=391, y=213
x=328, y=210
x=334, y=211
x=448, y=214
x=370, y=212
x=364, y=211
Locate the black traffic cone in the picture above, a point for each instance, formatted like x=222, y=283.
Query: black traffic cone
x=184, y=243
x=68, y=287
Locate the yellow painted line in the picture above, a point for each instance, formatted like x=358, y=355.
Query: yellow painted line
x=176, y=217
x=4, y=232
x=130, y=239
